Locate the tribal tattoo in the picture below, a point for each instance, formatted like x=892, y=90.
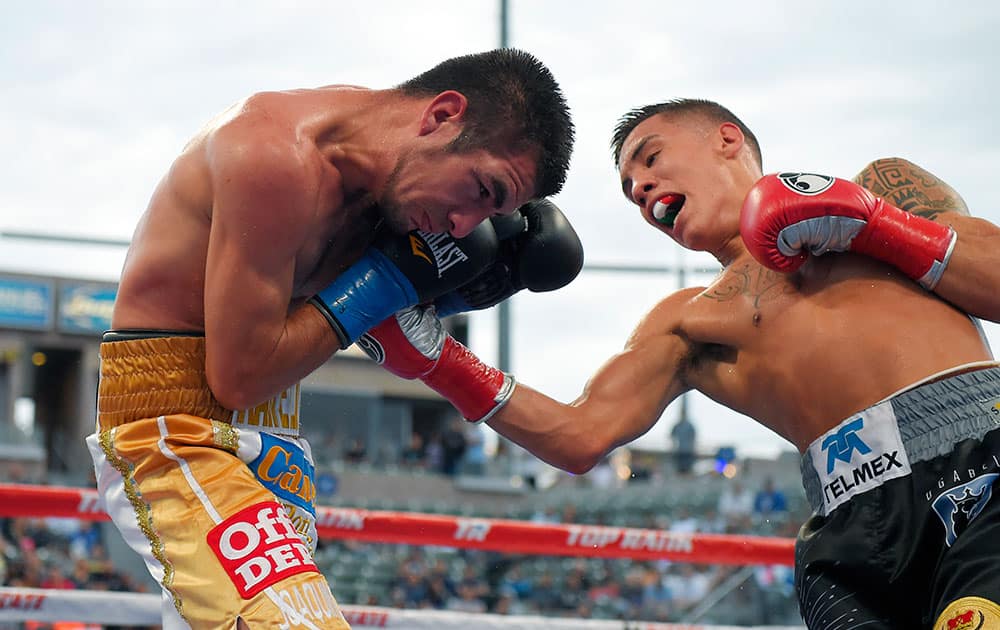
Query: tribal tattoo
x=910, y=188
x=753, y=281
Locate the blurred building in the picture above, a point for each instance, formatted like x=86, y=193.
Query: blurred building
x=50, y=330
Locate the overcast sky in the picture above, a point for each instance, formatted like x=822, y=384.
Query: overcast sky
x=99, y=97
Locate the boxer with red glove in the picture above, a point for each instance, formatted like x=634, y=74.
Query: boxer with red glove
x=414, y=344
x=787, y=216
x=539, y=250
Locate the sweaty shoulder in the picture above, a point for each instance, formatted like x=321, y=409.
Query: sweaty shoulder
x=259, y=152
x=910, y=187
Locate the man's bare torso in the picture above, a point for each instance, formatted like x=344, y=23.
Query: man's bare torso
x=801, y=352
x=163, y=281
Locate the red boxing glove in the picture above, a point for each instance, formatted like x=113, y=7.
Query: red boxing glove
x=788, y=216
x=413, y=344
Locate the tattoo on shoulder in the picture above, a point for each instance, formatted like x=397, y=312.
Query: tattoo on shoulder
x=753, y=281
x=911, y=188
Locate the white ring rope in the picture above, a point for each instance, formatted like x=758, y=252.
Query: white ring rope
x=36, y=604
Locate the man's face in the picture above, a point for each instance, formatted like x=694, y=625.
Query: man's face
x=438, y=190
x=675, y=163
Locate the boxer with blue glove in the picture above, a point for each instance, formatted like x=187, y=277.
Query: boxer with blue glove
x=399, y=271
x=257, y=258
x=540, y=251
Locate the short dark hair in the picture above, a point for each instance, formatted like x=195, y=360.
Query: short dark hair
x=681, y=106
x=513, y=102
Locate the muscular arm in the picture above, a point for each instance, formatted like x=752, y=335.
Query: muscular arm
x=972, y=280
x=622, y=401
x=264, y=208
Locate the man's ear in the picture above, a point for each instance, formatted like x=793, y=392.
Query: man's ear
x=731, y=139
x=447, y=107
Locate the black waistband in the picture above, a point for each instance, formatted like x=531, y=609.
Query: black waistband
x=139, y=333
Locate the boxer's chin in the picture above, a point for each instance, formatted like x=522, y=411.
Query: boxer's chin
x=394, y=218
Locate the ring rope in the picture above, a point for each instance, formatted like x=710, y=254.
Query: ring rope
x=105, y=607
x=504, y=535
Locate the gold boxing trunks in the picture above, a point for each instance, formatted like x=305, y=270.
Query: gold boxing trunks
x=218, y=503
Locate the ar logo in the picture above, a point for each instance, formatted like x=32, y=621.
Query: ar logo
x=956, y=507
x=806, y=183
x=371, y=347
x=842, y=444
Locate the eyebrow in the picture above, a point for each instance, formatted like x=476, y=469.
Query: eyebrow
x=627, y=182
x=499, y=193
x=642, y=145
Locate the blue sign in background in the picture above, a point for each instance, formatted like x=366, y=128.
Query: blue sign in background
x=26, y=303
x=86, y=307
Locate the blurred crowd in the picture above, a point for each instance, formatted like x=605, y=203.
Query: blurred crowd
x=70, y=554
x=457, y=448
x=477, y=581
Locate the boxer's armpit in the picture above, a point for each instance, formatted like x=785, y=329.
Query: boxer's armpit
x=911, y=188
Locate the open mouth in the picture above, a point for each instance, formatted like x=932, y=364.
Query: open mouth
x=665, y=210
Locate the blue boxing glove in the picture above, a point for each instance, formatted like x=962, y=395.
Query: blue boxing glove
x=538, y=250
x=399, y=271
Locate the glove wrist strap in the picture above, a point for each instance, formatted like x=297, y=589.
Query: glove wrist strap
x=366, y=293
x=918, y=247
x=477, y=390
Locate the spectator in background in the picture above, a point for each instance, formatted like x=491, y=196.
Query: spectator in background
x=736, y=507
x=473, y=581
x=507, y=603
x=453, y=446
x=683, y=434
x=684, y=522
x=439, y=592
x=467, y=600
x=515, y=582
x=475, y=451
x=603, y=475
x=769, y=502
x=414, y=455
x=711, y=522
x=573, y=592
x=55, y=578
x=656, y=597
x=688, y=583
x=410, y=590
x=544, y=594
x=356, y=452
x=633, y=591
x=434, y=453
x=547, y=514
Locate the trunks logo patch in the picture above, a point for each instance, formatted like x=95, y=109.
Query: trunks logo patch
x=806, y=183
x=859, y=454
x=283, y=469
x=280, y=414
x=956, y=507
x=842, y=444
x=258, y=547
x=969, y=613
